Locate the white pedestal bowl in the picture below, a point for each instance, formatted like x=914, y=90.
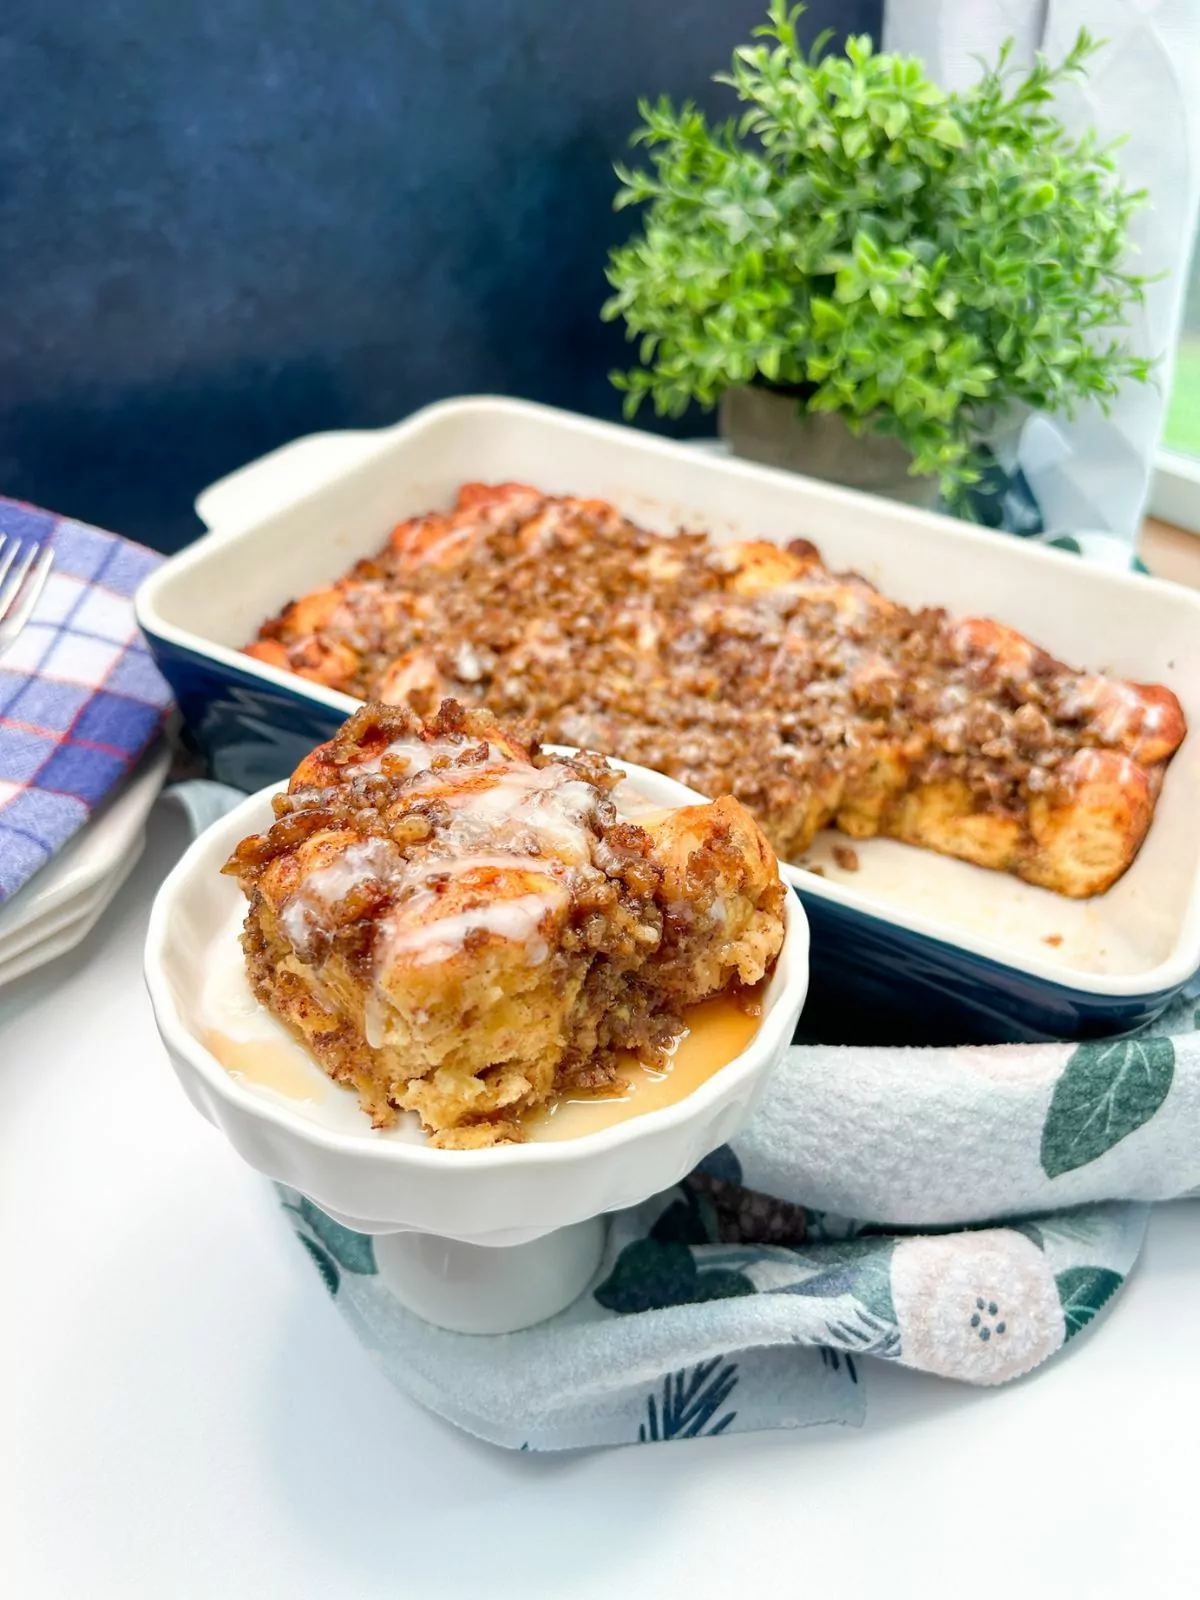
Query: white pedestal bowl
x=482, y=1241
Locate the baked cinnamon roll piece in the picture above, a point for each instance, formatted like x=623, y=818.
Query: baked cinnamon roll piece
x=460, y=925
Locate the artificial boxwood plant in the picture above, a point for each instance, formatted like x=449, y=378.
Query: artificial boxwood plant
x=918, y=261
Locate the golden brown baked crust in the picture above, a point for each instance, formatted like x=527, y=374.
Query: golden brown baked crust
x=460, y=926
x=749, y=670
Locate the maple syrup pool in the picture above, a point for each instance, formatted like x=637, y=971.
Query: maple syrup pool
x=255, y=1048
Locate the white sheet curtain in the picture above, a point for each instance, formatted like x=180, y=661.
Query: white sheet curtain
x=1093, y=474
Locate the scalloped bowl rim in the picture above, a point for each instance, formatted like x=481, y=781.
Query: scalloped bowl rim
x=194, y=869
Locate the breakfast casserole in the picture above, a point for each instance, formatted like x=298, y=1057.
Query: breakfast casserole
x=748, y=670
x=460, y=925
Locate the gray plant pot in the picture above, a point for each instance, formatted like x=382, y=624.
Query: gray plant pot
x=763, y=426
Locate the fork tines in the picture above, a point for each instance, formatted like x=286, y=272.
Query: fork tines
x=24, y=569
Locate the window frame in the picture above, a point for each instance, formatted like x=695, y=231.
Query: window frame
x=1175, y=490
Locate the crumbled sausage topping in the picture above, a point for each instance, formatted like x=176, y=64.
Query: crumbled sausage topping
x=809, y=696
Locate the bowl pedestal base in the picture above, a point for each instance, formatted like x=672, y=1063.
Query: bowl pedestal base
x=473, y=1288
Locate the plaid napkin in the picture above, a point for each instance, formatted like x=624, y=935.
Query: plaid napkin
x=80, y=697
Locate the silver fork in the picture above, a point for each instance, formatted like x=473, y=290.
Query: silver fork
x=23, y=574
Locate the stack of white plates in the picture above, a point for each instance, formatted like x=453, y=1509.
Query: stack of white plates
x=62, y=903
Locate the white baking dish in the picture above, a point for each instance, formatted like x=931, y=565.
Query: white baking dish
x=951, y=933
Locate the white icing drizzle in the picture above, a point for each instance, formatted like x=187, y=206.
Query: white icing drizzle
x=1087, y=765
x=422, y=753
x=375, y=1019
x=1011, y=654
x=516, y=920
x=447, y=543
x=662, y=563
x=1116, y=710
x=367, y=858
x=414, y=673
x=547, y=808
x=457, y=866
x=540, y=532
x=850, y=602
x=467, y=664
x=949, y=727
x=530, y=828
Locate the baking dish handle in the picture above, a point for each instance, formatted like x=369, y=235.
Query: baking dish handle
x=282, y=476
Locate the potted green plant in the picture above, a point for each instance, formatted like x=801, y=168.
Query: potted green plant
x=870, y=275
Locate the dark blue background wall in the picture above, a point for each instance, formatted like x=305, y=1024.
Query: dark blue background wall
x=223, y=224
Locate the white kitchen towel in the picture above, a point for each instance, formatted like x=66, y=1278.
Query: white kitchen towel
x=694, y=1326
x=920, y=1138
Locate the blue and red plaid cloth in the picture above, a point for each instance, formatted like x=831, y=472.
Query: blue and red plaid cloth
x=80, y=696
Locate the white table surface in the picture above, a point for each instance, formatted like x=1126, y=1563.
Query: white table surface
x=183, y=1413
